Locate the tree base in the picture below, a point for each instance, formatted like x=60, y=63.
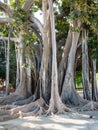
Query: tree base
x=10, y=99
x=8, y=112
x=91, y=105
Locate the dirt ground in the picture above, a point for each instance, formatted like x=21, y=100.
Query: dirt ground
x=68, y=121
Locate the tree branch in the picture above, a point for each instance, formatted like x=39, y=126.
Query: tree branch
x=12, y=39
x=6, y=9
x=38, y=23
x=5, y=20
x=33, y=28
x=28, y=4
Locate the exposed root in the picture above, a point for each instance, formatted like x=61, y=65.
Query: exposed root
x=7, y=107
x=39, y=108
x=5, y=110
x=8, y=117
x=33, y=113
x=24, y=101
x=61, y=109
x=36, y=108
x=10, y=99
x=32, y=109
x=91, y=105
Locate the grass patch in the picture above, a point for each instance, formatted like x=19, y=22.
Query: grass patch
x=78, y=80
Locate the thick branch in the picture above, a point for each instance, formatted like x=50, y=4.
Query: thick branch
x=6, y=8
x=12, y=39
x=33, y=28
x=5, y=20
x=28, y=4
x=38, y=23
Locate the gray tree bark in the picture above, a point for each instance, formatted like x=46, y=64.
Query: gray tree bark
x=44, y=80
x=69, y=94
x=55, y=100
x=18, y=65
x=63, y=63
x=94, y=81
x=85, y=67
x=8, y=65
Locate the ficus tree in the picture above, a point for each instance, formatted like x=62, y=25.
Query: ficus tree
x=43, y=77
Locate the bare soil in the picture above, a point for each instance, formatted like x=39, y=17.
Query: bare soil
x=69, y=121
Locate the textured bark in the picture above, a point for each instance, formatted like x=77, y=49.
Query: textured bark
x=6, y=8
x=56, y=104
x=85, y=67
x=22, y=88
x=34, y=108
x=28, y=4
x=37, y=23
x=24, y=101
x=8, y=65
x=63, y=63
x=28, y=73
x=10, y=99
x=5, y=20
x=69, y=94
x=11, y=38
x=44, y=87
x=18, y=65
x=94, y=82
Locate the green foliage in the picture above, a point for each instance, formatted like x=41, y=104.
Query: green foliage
x=93, y=45
x=24, y=65
x=37, y=6
x=62, y=28
x=78, y=79
x=4, y=30
x=20, y=21
x=2, y=61
x=29, y=37
x=97, y=76
x=12, y=76
x=18, y=3
x=86, y=11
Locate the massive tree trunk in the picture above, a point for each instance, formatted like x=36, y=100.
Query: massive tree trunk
x=56, y=104
x=94, y=82
x=69, y=94
x=85, y=67
x=22, y=88
x=44, y=88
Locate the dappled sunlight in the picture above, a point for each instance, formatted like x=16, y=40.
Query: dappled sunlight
x=66, y=121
